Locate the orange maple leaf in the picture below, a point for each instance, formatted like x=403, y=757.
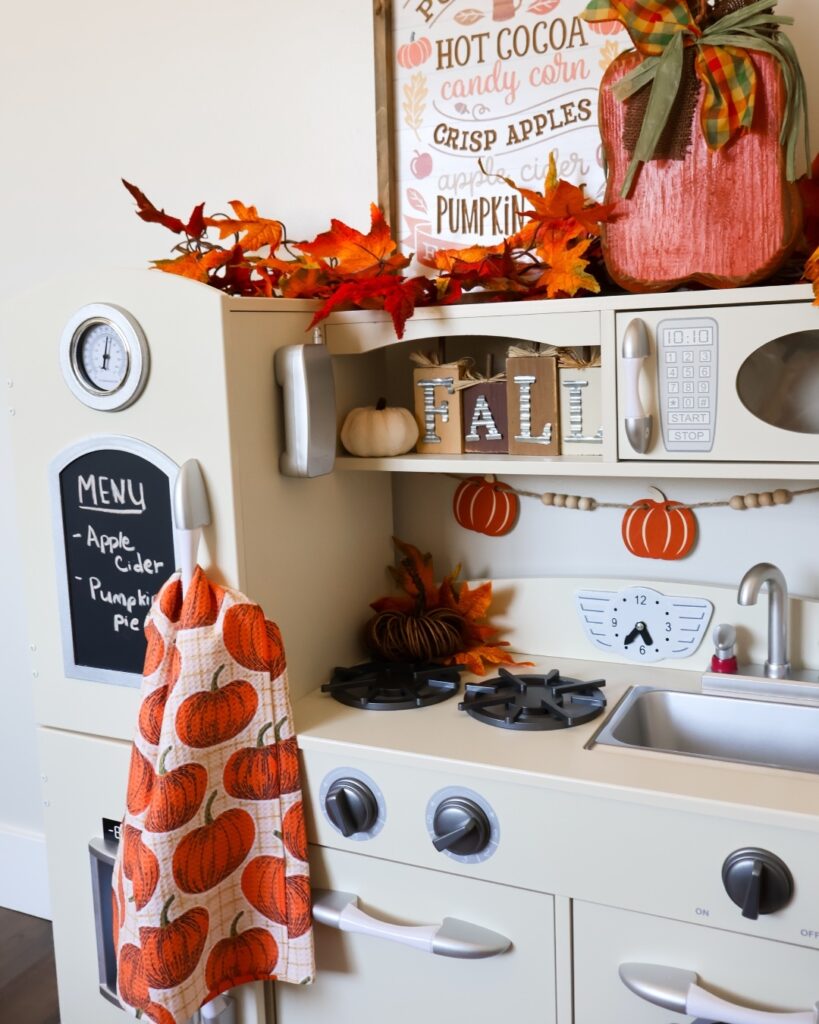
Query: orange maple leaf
x=566, y=271
x=195, y=266
x=350, y=252
x=259, y=231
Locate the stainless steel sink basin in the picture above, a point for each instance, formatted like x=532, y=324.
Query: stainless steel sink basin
x=724, y=728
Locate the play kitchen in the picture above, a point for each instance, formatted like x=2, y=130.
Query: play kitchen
x=546, y=819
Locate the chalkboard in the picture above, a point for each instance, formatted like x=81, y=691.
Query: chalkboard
x=115, y=550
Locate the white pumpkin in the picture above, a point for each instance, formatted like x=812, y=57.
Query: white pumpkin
x=379, y=431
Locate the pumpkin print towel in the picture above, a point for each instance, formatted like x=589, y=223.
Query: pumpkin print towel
x=211, y=884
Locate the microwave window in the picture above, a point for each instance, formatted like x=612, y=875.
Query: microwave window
x=779, y=382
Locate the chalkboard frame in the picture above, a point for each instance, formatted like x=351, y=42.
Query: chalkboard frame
x=96, y=443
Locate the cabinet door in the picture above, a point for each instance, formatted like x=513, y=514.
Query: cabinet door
x=755, y=973
x=727, y=384
x=365, y=978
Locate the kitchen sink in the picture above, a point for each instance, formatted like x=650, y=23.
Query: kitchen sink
x=759, y=732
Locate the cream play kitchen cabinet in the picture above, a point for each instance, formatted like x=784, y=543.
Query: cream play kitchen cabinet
x=210, y=394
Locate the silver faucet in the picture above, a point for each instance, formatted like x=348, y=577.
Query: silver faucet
x=777, y=666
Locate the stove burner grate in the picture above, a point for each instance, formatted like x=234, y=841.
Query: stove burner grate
x=533, y=702
x=393, y=686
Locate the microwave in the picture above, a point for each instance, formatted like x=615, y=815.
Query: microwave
x=721, y=383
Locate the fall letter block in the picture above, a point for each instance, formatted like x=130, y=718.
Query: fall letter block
x=485, y=420
x=531, y=388
x=581, y=418
x=438, y=409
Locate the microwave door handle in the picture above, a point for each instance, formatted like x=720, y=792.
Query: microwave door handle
x=451, y=938
x=678, y=990
x=636, y=349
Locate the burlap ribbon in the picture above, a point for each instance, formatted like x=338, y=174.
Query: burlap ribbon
x=662, y=29
x=578, y=358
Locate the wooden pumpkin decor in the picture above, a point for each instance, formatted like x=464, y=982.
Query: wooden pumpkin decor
x=242, y=956
x=379, y=431
x=171, y=952
x=699, y=164
x=485, y=505
x=659, y=529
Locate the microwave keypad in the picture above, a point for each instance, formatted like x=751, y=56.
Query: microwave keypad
x=687, y=371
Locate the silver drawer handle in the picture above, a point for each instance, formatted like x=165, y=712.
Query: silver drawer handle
x=451, y=938
x=636, y=348
x=678, y=990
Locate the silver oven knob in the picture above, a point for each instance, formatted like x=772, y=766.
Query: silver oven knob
x=460, y=826
x=351, y=806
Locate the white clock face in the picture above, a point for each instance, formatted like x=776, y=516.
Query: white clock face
x=102, y=357
x=642, y=624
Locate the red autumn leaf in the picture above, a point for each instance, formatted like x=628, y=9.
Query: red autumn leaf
x=396, y=295
x=148, y=212
x=350, y=252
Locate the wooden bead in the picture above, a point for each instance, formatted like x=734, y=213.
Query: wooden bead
x=737, y=503
x=751, y=501
x=560, y=500
x=490, y=478
x=782, y=497
x=765, y=499
x=547, y=499
x=572, y=500
x=586, y=504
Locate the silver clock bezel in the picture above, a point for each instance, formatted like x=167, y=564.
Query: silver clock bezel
x=136, y=350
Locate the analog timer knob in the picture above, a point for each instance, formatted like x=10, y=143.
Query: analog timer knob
x=351, y=806
x=461, y=826
x=757, y=881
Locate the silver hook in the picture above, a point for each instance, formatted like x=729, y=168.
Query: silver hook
x=191, y=511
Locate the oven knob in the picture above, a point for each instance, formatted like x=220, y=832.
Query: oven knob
x=757, y=881
x=461, y=826
x=351, y=806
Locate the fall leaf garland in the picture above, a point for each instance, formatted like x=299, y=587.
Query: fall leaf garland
x=551, y=256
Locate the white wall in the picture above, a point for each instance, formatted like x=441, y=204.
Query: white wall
x=270, y=102
x=260, y=100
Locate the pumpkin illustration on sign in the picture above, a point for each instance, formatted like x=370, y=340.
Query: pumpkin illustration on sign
x=485, y=505
x=659, y=529
x=415, y=52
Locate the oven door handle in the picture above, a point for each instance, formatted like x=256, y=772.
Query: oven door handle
x=678, y=990
x=450, y=938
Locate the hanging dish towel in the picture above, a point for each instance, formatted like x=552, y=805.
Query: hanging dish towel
x=211, y=885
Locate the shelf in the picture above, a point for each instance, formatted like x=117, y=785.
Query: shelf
x=590, y=466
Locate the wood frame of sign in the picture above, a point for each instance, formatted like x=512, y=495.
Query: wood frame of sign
x=102, y=613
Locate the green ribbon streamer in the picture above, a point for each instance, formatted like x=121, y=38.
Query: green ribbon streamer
x=745, y=29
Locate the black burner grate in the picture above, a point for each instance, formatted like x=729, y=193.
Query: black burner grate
x=532, y=702
x=393, y=686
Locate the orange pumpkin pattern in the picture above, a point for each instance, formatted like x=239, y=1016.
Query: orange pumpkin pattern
x=211, y=883
x=659, y=529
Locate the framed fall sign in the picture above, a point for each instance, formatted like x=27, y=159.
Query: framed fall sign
x=467, y=90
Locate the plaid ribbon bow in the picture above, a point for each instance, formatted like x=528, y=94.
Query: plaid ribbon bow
x=661, y=29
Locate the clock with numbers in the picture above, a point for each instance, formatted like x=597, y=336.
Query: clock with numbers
x=104, y=357
x=642, y=624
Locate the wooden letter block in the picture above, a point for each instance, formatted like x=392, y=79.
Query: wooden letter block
x=485, y=421
x=581, y=417
x=438, y=409
x=534, y=425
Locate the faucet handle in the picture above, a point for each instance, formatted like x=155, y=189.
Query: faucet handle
x=724, y=657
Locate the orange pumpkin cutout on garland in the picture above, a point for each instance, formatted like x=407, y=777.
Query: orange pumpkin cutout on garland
x=485, y=505
x=659, y=529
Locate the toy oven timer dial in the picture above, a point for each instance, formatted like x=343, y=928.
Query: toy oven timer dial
x=104, y=357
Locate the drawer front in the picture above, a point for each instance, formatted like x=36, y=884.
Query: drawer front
x=755, y=973
x=696, y=367
x=367, y=978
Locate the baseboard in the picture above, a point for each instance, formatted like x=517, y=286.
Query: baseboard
x=24, y=873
